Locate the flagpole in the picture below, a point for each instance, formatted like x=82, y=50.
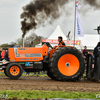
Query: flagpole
x=75, y=23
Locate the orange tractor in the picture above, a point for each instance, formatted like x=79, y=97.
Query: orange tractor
x=62, y=63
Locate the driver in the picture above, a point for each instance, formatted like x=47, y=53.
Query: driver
x=60, y=40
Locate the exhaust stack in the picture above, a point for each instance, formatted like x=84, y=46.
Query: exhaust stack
x=22, y=40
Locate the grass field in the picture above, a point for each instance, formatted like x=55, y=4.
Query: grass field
x=24, y=74
x=46, y=94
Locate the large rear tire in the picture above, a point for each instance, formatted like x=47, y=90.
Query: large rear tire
x=67, y=64
x=14, y=70
x=50, y=75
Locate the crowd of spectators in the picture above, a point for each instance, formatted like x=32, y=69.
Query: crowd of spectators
x=4, y=54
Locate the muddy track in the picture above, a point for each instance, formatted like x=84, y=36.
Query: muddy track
x=45, y=83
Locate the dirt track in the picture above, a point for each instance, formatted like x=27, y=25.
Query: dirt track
x=45, y=83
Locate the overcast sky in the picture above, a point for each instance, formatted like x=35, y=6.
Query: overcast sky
x=10, y=27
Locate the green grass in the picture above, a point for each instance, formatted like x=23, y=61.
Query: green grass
x=1, y=73
x=32, y=74
x=47, y=94
x=36, y=75
x=24, y=74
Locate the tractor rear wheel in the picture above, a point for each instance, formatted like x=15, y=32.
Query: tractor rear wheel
x=14, y=70
x=67, y=64
x=50, y=75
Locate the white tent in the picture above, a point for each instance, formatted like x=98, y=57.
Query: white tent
x=89, y=40
x=57, y=32
x=54, y=36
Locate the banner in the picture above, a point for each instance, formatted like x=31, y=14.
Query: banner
x=77, y=42
x=79, y=29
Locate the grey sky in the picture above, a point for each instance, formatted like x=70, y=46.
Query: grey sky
x=10, y=27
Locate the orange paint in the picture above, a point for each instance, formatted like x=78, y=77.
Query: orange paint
x=68, y=64
x=14, y=70
x=21, y=52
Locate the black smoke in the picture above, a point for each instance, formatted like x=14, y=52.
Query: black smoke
x=37, y=12
x=93, y=3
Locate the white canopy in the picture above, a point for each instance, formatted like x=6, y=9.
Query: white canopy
x=54, y=36
x=57, y=32
x=90, y=41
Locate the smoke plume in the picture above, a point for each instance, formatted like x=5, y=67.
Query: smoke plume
x=93, y=3
x=38, y=11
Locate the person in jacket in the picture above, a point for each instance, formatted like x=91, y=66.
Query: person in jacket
x=60, y=40
x=97, y=49
x=6, y=55
x=2, y=54
x=85, y=51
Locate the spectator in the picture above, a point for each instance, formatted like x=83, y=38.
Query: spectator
x=6, y=55
x=97, y=49
x=85, y=51
x=2, y=54
x=96, y=52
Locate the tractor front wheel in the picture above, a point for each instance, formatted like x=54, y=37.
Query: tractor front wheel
x=14, y=70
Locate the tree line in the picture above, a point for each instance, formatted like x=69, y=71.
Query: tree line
x=29, y=41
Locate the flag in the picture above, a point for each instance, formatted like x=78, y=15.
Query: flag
x=79, y=29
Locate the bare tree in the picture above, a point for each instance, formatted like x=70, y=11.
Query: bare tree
x=32, y=40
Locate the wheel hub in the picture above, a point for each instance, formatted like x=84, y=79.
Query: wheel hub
x=67, y=64
x=14, y=70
